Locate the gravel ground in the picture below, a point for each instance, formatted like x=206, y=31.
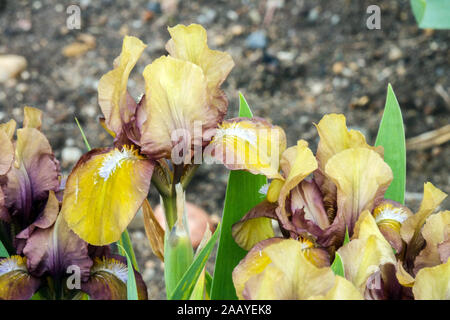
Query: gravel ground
x=307, y=59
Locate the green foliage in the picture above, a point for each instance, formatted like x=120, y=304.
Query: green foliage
x=125, y=244
x=391, y=135
x=433, y=14
x=3, y=252
x=242, y=194
x=338, y=265
x=185, y=287
x=132, y=293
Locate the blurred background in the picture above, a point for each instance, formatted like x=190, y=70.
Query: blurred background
x=295, y=61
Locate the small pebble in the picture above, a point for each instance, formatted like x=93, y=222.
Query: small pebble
x=71, y=155
x=256, y=40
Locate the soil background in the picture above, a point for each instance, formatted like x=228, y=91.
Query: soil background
x=293, y=64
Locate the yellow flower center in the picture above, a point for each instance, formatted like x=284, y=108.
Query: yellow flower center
x=389, y=215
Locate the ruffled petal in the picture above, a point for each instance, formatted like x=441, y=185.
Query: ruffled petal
x=34, y=174
x=411, y=228
x=334, y=138
x=9, y=128
x=433, y=283
x=15, y=281
x=308, y=197
x=189, y=43
x=361, y=177
x=342, y=290
x=103, y=193
x=435, y=231
x=366, y=253
x=288, y=275
x=32, y=118
x=255, y=226
x=249, y=144
x=116, y=104
x=6, y=152
x=253, y=264
x=176, y=108
x=300, y=166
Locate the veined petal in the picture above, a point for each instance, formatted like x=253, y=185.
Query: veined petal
x=435, y=231
x=300, y=166
x=35, y=172
x=255, y=226
x=308, y=197
x=411, y=228
x=190, y=43
x=334, y=138
x=15, y=281
x=342, y=290
x=108, y=280
x=389, y=216
x=432, y=198
x=361, y=177
x=32, y=118
x=113, y=98
x=253, y=264
x=103, y=193
x=54, y=249
x=249, y=144
x=433, y=283
x=175, y=104
x=289, y=275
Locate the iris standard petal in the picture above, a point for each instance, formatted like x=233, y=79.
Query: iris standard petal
x=116, y=104
x=433, y=283
x=175, y=103
x=361, y=177
x=189, y=43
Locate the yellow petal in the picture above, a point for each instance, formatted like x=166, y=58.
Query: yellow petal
x=189, y=43
x=104, y=192
x=250, y=232
x=433, y=283
x=299, y=167
x=363, y=257
x=432, y=198
x=290, y=275
x=435, y=231
x=9, y=128
x=342, y=290
x=32, y=118
x=175, y=105
x=403, y=277
x=254, y=263
x=112, y=87
x=249, y=144
x=335, y=137
x=7, y=153
x=360, y=176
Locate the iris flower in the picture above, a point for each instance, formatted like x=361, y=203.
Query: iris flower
x=43, y=248
x=345, y=194
x=158, y=138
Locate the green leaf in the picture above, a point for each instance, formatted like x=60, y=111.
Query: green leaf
x=83, y=135
x=199, y=291
x=391, y=135
x=3, y=252
x=186, y=285
x=347, y=237
x=434, y=14
x=338, y=265
x=132, y=293
x=242, y=195
x=125, y=244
